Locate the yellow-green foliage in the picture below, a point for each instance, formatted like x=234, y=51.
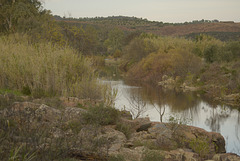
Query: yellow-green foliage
x=44, y=70
x=200, y=146
x=177, y=62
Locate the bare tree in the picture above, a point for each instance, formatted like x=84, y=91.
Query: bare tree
x=138, y=105
x=161, y=110
x=160, y=106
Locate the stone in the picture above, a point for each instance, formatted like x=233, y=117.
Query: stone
x=172, y=136
x=132, y=154
x=136, y=123
x=226, y=157
x=144, y=127
x=116, y=139
x=71, y=113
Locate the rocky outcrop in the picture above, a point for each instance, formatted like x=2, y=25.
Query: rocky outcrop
x=168, y=141
x=173, y=136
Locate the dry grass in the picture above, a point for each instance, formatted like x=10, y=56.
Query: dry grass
x=44, y=69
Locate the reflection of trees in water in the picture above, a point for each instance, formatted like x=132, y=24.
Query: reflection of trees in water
x=138, y=105
x=189, y=105
x=237, y=132
x=217, y=117
x=177, y=101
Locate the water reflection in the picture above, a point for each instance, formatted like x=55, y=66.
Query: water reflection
x=217, y=117
x=137, y=104
x=158, y=104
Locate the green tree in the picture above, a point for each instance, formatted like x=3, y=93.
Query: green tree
x=114, y=41
x=21, y=15
x=210, y=54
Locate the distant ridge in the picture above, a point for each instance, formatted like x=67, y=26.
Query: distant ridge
x=224, y=30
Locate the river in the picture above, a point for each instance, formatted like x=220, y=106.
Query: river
x=189, y=108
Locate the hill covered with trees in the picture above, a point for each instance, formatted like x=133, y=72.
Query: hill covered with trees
x=224, y=30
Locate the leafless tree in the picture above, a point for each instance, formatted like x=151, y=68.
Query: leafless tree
x=161, y=110
x=138, y=105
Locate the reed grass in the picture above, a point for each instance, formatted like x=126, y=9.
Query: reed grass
x=43, y=69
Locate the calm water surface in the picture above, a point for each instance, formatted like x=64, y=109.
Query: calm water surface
x=187, y=107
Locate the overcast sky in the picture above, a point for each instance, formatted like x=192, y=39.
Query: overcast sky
x=157, y=10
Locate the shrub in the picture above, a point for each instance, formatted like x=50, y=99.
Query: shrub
x=116, y=158
x=101, y=115
x=74, y=125
x=126, y=129
x=152, y=155
x=177, y=62
x=200, y=146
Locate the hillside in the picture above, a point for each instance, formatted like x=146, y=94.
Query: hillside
x=220, y=30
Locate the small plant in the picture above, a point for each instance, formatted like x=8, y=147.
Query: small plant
x=150, y=155
x=117, y=157
x=75, y=126
x=101, y=115
x=147, y=143
x=176, y=119
x=126, y=129
x=15, y=155
x=200, y=146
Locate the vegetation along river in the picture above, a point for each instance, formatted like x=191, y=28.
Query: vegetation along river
x=190, y=108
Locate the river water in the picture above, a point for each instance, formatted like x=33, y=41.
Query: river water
x=185, y=107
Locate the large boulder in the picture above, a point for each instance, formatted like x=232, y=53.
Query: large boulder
x=164, y=135
x=173, y=136
x=27, y=112
x=116, y=139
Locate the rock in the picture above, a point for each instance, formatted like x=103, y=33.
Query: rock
x=173, y=136
x=128, y=145
x=172, y=141
x=185, y=88
x=167, y=82
x=137, y=123
x=105, y=139
x=144, y=127
x=72, y=113
x=116, y=139
x=27, y=112
x=48, y=114
x=86, y=155
x=226, y=157
x=164, y=136
x=181, y=154
x=74, y=102
x=132, y=154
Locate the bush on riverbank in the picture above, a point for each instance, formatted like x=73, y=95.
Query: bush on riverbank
x=207, y=63
x=174, y=63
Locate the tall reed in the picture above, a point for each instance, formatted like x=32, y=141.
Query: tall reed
x=43, y=69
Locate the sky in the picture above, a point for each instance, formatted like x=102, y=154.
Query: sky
x=154, y=10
